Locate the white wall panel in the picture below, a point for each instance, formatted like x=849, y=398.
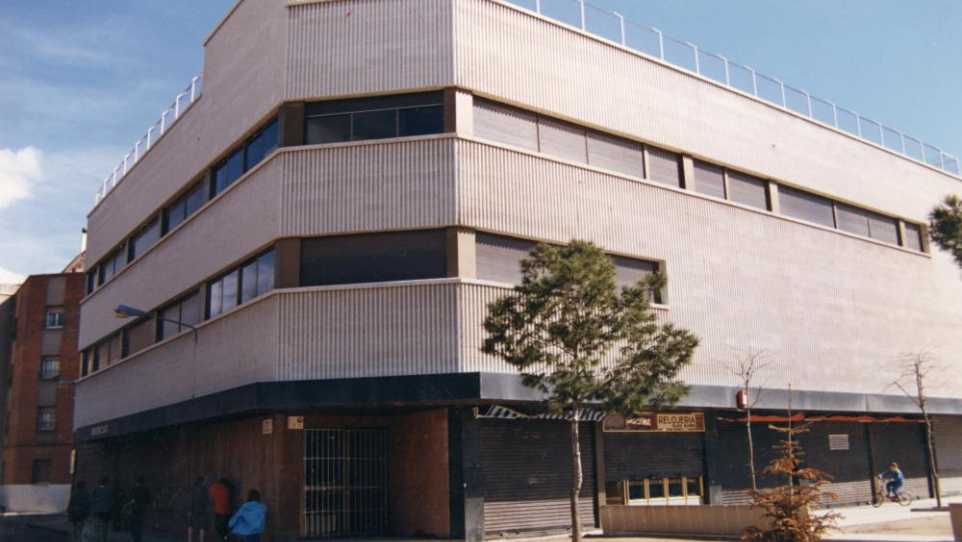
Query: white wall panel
x=515, y=56
x=377, y=185
x=833, y=309
x=365, y=46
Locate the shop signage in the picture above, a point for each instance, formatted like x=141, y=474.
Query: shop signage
x=672, y=422
x=295, y=422
x=99, y=430
x=267, y=426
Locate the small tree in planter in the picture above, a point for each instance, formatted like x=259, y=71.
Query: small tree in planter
x=788, y=505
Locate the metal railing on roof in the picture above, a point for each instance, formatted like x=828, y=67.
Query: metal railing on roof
x=168, y=117
x=613, y=27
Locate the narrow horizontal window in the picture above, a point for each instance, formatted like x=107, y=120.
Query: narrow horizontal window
x=747, y=190
x=664, y=167
x=709, y=179
x=498, y=258
x=806, y=206
x=262, y=144
x=141, y=335
x=374, y=103
x=328, y=129
x=913, y=237
x=228, y=171
x=883, y=228
x=505, y=124
x=376, y=257
x=852, y=219
x=616, y=154
x=144, y=239
x=374, y=125
x=420, y=121
x=563, y=140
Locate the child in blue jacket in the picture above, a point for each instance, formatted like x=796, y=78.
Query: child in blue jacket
x=249, y=519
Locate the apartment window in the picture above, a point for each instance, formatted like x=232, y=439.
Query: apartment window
x=664, y=167
x=709, y=179
x=375, y=257
x=91, y=281
x=46, y=419
x=253, y=278
x=883, y=228
x=852, y=219
x=49, y=368
x=562, y=139
x=144, y=239
x=140, y=336
x=112, y=264
x=176, y=317
x=374, y=118
x=228, y=171
x=86, y=360
x=54, y=318
x=261, y=144
x=747, y=190
x=806, y=206
x=185, y=206
x=913, y=237
x=41, y=471
x=616, y=154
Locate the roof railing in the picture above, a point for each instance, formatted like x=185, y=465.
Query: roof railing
x=613, y=27
x=168, y=117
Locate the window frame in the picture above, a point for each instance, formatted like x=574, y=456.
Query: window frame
x=59, y=320
x=45, y=374
x=46, y=419
x=219, y=280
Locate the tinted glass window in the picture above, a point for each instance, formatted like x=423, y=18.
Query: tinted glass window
x=420, y=121
x=145, y=239
x=377, y=257
x=192, y=310
x=196, y=198
x=265, y=273
x=664, y=167
x=230, y=291
x=373, y=103
x=330, y=129
x=805, y=206
x=249, y=282
x=883, y=228
x=374, y=125
x=229, y=171
x=169, y=321
x=216, y=295
x=852, y=219
x=913, y=236
x=747, y=190
x=175, y=214
x=141, y=336
x=709, y=179
x=263, y=144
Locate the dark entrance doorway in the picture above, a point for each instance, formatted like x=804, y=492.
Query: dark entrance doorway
x=345, y=482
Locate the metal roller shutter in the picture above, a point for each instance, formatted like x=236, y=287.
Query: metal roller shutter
x=948, y=445
x=840, y=449
x=634, y=456
x=505, y=124
x=902, y=443
x=528, y=474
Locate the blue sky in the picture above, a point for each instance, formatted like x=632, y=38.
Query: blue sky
x=82, y=81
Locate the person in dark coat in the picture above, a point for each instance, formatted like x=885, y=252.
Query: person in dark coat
x=78, y=509
x=101, y=503
x=198, y=516
x=140, y=499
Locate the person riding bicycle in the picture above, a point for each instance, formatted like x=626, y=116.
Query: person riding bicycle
x=896, y=480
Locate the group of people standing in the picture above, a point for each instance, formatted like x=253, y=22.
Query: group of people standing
x=92, y=513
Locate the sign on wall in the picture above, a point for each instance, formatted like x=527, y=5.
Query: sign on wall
x=295, y=422
x=671, y=422
x=267, y=426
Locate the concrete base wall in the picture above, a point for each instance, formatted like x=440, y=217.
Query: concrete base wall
x=680, y=520
x=35, y=498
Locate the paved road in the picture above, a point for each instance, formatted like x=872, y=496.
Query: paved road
x=16, y=529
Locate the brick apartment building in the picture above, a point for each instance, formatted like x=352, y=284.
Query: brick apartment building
x=39, y=362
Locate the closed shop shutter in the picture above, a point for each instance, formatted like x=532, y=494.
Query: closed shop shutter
x=948, y=445
x=528, y=475
x=902, y=443
x=634, y=456
x=840, y=449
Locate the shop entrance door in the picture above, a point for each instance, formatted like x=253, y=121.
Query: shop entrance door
x=345, y=482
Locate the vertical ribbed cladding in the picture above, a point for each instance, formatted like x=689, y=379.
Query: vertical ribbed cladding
x=381, y=186
x=242, y=220
x=403, y=329
x=820, y=302
x=236, y=350
x=515, y=56
x=363, y=46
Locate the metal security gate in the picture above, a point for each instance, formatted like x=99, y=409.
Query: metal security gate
x=345, y=482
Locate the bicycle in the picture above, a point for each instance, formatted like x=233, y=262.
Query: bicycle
x=902, y=495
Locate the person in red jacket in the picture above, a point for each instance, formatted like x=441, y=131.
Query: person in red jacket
x=220, y=494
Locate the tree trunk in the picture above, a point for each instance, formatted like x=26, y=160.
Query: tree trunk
x=578, y=478
x=751, y=448
x=930, y=445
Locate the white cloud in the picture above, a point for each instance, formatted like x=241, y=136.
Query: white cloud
x=9, y=277
x=18, y=169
